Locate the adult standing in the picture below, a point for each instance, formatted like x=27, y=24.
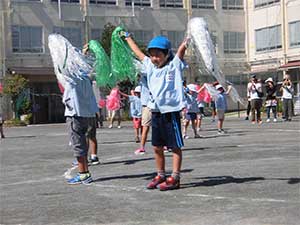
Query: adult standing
x=287, y=98
x=255, y=90
x=271, y=101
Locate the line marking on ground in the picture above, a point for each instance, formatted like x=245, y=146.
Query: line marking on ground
x=239, y=198
x=67, y=174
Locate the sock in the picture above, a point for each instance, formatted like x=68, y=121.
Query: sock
x=176, y=175
x=161, y=173
x=93, y=156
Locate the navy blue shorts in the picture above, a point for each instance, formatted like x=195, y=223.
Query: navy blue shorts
x=166, y=130
x=191, y=116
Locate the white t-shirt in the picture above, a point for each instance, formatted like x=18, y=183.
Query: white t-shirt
x=287, y=92
x=252, y=87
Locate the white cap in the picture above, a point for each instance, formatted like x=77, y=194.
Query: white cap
x=192, y=87
x=269, y=80
x=219, y=86
x=137, y=89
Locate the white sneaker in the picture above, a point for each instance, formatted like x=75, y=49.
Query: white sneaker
x=275, y=120
x=119, y=127
x=110, y=126
x=185, y=137
x=268, y=121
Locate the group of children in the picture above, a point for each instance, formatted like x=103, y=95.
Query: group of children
x=158, y=102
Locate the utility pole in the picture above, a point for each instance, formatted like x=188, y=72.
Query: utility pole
x=84, y=5
x=284, y=31
x=188, y=6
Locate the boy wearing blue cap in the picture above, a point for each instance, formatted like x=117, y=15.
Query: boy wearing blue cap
x=164, y=77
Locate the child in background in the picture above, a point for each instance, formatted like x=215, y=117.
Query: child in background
x=221, y=106
x=164, y=77
x=191, y=111
x=135, y=111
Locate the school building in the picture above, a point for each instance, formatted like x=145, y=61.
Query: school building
x=261, y=36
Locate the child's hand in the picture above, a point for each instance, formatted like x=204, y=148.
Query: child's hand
x=85, y=49
x=124, y=34
x=187, y=42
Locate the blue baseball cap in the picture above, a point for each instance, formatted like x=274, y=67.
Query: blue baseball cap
x=160, y=42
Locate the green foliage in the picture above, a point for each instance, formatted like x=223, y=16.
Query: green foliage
x=14, y=122
x=106, y=37
x=14, y=85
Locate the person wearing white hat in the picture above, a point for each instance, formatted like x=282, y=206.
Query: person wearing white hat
x=271, y=101
x=221, y=106
x=191, y=110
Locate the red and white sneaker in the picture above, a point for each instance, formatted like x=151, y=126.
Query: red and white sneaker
x=169, y=184
x=140, y=151
x=156, y=181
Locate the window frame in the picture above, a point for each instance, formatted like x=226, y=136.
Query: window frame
x=237, y=49
x=171, y=4
x=297, y=44
x=268, y=30
x=199, y=5
x=265, y=3
x=31, y=49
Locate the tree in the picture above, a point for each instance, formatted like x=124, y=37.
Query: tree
x=13, y=87
x=106, y=37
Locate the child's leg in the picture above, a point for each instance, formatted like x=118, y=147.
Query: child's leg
x=82, y=164
x=194, y=124
x=186, y=124
x=177, y=160
x=220, y=124
x=159, y=159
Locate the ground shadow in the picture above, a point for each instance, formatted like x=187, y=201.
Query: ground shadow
x=24, y=136
x=128, y=162
x=219, y=180
x=146, y=176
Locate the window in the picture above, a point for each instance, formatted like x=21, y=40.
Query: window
x=260, y=3
x=232, y=4
x=294, y=31
x=234, y=42
x=203, y=4
x=27, y=39
x=72, y=34
x=96, y=34
x=142, y=36
x=141, y=3
x=268, y=38
x=175, y=37
x=67, y=1
x=171, y=3
x=100, y=2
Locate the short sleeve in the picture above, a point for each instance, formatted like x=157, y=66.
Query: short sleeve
x=178, y=63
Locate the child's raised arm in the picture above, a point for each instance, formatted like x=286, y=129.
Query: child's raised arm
x=137, y=51
x=182, y=48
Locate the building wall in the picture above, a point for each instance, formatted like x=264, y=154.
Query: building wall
x=268, y=16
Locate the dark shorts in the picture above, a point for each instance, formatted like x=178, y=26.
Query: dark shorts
x=77, y=128
x=201, y=110
x=91, y=132
x=191, y=116
x=166, y=130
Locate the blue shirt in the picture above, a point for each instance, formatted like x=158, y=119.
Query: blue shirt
x=165, y=85
x=221, y=101
x=145, y=93
x=79, y=98
x=191, y=103
x=135, y=106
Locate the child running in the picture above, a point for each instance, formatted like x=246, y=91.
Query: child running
x=135, y=110
x=164, y=77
